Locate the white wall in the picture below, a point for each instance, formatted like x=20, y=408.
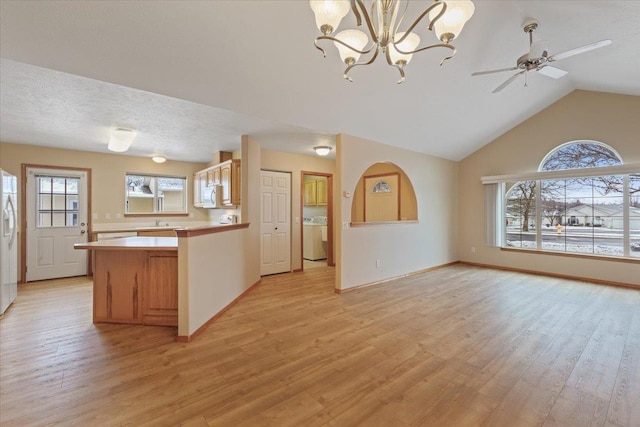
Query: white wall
x=609, y=118
x=401, y=248
x=215, y=269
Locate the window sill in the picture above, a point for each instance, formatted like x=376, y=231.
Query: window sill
x=374, y=223
x=157, y=214
x=574, y=255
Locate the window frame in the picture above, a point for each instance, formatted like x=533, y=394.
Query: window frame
x=156, y=212
x=623, y=170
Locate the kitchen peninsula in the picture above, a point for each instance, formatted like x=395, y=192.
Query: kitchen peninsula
x=135, y=280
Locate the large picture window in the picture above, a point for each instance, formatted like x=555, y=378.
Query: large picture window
x=147, y=194
x=575, y=209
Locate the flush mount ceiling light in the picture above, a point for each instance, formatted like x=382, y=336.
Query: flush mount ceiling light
x=159, y=159
x=323, y=150
x=121, y=139
x=446, y=17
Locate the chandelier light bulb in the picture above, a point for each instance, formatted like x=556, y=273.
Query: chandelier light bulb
x=329, y=13
x=451, y=23
x=407, y=45
x=354, y=38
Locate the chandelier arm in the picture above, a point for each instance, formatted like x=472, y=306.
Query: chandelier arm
x=367, y=18
x=354, y=9
x=404, y=12
x=399, y=67
x=355, y=64
x=422, y=15
x=333, y=39
x=324, y=54
x=446, y=45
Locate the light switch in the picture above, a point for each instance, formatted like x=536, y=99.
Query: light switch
x=94, y=216
x=297, y=220
x=345, y=225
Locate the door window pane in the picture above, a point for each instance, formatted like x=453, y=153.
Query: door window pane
x=57, y=201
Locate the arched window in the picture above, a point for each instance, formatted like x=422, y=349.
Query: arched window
x=580, y=154
x=575, y=213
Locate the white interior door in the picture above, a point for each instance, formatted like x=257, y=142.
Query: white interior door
x=57, y=205
x=275, y=224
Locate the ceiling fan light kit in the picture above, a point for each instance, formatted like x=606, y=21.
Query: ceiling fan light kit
x=538, y=58
x=382, y=21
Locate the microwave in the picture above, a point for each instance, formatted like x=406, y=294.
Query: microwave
x=212, y=197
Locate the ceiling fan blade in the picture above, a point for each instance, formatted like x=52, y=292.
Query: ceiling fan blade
x=553, y=72
x=480, y=73
x=579, y=50
x=508, y=82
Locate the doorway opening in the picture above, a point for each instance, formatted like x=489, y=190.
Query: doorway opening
x=316, y=211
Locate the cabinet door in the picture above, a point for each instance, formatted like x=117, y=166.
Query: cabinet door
x=209, y=177
x=117, y=281
x=321, y=192
x=197, y=191
x=310, y=193
x=216, y=176
x=160, y=290
x=225, y=181
x=236, y=177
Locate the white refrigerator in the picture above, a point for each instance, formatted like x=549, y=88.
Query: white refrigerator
x=9, y=240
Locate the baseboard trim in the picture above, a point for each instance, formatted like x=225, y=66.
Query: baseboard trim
x=548, y=274
x=189, y=338
x=297, y=270
x=380, y=282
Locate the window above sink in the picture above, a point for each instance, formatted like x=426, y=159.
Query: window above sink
x=157, y=195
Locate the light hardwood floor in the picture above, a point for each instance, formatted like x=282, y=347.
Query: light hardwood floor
x=460, y=346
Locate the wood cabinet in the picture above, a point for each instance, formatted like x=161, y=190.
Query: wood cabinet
x=315, y=192
x=136, y=287
x=226, y=174
x=310, y=196
x=321, y=191
x=160, y=290
x=230, y=177
x=117, y=286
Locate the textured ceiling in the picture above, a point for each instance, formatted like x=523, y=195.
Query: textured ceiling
x=194, y=76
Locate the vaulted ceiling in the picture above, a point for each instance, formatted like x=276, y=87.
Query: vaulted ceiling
x=192, y=77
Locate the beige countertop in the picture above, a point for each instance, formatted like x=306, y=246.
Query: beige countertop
x=133, y=243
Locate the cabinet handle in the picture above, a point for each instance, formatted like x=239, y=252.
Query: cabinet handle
x=135, y=298
x=109, y=296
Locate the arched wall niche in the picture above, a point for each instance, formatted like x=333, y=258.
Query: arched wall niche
x=384, y=193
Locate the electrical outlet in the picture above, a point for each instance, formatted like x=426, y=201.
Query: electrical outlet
x=107, y=216
x=118, y=216
x=377, y=263
x=473, y=249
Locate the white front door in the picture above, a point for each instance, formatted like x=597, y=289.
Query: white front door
x=57, y=205
x=275, y=224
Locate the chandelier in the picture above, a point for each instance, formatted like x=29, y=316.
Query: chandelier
x=446, y=17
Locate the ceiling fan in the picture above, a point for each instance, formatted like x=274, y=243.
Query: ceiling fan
x=538, y=59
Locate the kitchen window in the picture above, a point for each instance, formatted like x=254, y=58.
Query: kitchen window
x=154, y=195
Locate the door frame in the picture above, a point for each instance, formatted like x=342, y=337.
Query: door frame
x=329, y=176
x=23, y=211
x=290, y=207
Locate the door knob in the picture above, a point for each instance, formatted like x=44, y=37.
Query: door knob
x=82, y=231
x=82, y=224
